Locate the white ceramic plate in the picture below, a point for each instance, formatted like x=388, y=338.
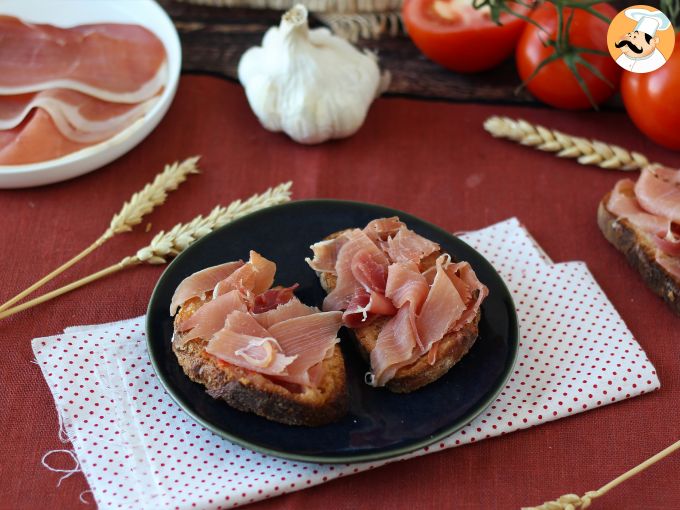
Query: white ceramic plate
x=67, y=13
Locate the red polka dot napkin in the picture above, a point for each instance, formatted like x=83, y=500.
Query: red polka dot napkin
x=139, y=451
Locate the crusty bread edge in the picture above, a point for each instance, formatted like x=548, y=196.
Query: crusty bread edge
x=451, y=349
x=640, y=254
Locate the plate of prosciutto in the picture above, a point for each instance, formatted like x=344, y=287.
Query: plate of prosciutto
x=81, y=83
x=332, y=331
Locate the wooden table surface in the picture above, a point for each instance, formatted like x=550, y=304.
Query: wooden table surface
x=214, y=38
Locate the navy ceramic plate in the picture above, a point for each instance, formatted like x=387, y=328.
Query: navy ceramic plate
x=380, y=424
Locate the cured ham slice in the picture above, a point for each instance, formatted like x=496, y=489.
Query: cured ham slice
x=369, y=270
x=658, y=192
x=347, y=285
x=383, y=228
x=263, y=355
x=201, y=282
x=297, y=345
x=244, y=323
x=624, y=204
x=113, y=62
x=78, y=117
x=272, y=298
x=394, y=348
x=407, y=246
x=293, y=308
x=442, y=308
x=254, y=277
x=37, y=139
x=310, y=339
x=405, y=284
x=475, y=292
x=366, y=306
x=670, y=264
x=670, y=243
x=325, y=255
x=210, y=317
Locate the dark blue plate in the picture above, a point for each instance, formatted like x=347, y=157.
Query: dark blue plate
x=380, y=424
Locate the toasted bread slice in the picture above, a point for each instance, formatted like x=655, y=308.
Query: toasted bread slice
x=255, y=393
x=640, y=254
x=412, y=377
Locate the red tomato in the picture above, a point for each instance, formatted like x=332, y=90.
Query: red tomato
x=652, y=100
x=459, y=37
x=555, y=84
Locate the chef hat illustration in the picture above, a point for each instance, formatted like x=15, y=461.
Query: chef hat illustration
x=648, y=22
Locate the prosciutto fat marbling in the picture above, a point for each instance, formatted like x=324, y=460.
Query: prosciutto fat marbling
x=77, y=116
x=35, y=139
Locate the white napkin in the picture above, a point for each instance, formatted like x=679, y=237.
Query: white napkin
x=138, y=450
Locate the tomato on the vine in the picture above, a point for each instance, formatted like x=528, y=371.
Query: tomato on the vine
x=459, y=37
x=652, y=100
x=554, y=83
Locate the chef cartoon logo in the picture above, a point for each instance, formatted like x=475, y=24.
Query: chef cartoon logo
x=640, y=39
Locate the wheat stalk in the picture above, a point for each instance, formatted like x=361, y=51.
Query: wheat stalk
x=166, y=245
x=139, y=205
x=585, y=151
x=573, y=501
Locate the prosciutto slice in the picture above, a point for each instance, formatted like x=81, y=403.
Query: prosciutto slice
x=475, y=292
x=670, y=264
x=325, y=255
x=289, y=310
x=288, y=350
x=407, y=246
x=369, y=270
x=442, y=308
x=365, y=307
x=394, y=348
x=310, y=339
x=382, y=228
x=253, y=278
x=201, y=282
x=210, y=317
x=78, y=117
x=405, y=284
x=347, y=286
x=624, y=204
x=658, y=192
x=263, y=355
x=113, y=62
x=36, y=139
x=272, y=298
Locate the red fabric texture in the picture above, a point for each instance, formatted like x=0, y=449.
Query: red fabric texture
x=431, y=159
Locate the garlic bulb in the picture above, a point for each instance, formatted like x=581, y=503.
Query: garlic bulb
x=310, y=84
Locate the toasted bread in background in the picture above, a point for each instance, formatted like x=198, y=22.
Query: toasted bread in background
x=252, y=392
x=641, y=254
x=412, y=377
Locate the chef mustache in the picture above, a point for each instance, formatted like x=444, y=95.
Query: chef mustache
x=626, y=42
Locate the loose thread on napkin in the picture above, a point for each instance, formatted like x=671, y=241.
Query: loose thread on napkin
x=68, y=472
x=63, y=436
x=81, y=496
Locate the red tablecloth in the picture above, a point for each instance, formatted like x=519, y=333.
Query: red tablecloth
x=429, y=158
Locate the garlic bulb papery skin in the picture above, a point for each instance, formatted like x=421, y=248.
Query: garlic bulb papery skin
x=310, y=84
